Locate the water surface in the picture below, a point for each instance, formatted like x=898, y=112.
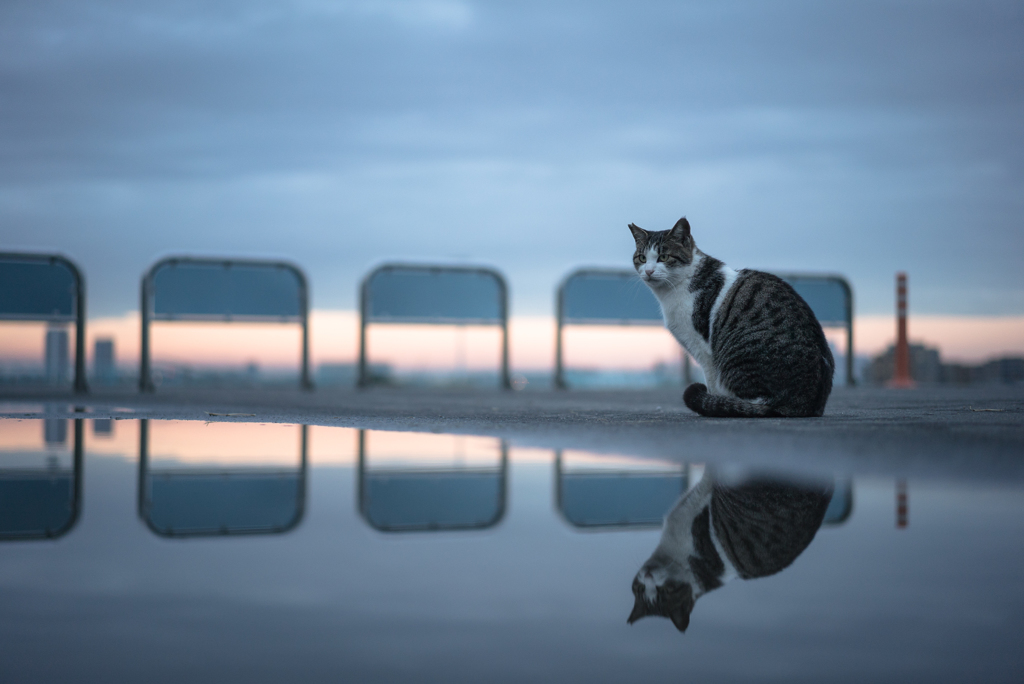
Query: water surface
x=187, y=551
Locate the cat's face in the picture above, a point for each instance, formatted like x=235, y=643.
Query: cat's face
x=661, y=254
x=663, y=588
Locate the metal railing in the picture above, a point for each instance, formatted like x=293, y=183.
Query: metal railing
x=48, y=288
x=201, y=289
x=437, y=295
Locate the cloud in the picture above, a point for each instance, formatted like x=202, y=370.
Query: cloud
x=856, y=138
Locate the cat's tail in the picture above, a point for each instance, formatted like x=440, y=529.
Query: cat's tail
x=697, y=399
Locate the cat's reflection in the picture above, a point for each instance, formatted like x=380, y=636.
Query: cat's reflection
x=720, y=530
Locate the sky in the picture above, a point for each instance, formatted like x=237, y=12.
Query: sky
x=853, y=138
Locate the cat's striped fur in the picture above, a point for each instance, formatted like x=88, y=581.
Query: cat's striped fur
x=762, y=350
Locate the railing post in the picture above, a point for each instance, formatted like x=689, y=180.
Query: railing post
x=306, y=381
x=145, y=377
x=362, y=380
x=506, y=378
x=559, y=322
x=81, y=385
x=850, y=380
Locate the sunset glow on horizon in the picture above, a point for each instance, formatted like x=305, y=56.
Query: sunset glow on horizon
x=334, y=339
x=191, y=443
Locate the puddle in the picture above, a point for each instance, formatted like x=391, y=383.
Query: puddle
x=164, y=550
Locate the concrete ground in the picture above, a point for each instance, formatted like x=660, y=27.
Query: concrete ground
x=965, y=432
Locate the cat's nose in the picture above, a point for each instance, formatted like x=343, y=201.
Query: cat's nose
x=649, y=270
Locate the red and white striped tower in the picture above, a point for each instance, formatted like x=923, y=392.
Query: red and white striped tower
x=901, y=374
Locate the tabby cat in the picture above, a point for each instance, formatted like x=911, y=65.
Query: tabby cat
x=718, y=532
x=761, y=348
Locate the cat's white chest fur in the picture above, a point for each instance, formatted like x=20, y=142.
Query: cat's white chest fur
x=677, y=309
x=677, y=534
x=677, y=304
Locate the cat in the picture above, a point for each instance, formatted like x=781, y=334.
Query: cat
x=718, y=532
x=762, y=350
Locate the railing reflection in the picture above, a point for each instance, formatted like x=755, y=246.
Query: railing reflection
x=419, y=499
x=41, y=501
x=609, y=492
x=626, y=495
x=214, y=500
x=841, y=505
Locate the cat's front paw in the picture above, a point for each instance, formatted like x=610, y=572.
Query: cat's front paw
x=693, y=395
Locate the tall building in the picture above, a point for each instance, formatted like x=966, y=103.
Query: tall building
x=103, y=367
x=57, y=355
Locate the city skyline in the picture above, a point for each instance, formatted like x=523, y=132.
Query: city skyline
x=334, y=339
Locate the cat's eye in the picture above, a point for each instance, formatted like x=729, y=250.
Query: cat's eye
x=662, y=258
x=641, y=258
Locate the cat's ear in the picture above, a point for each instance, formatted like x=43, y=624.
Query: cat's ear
x=639, y=234
x=680, y=615
x=680, y=231
x=639, y=607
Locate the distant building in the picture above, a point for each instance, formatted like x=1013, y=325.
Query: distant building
x=328, y=374
x=1006, y=370
x=56, y=356
x=926, y=367
x=959, y=374
x=103, y=365
x=345, y=374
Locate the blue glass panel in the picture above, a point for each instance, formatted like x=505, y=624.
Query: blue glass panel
x=609, y=297
x=36, y=289
x=223, y=502
x=35, y=505
x=433, y=500
x=825, y=296
x=183, y=290
x=618, y=499
x=413, y=295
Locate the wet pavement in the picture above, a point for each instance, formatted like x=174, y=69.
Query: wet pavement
x=967, y=431
x=465, y=536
